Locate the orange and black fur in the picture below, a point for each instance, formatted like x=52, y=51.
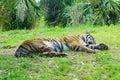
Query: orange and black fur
x=55, y=47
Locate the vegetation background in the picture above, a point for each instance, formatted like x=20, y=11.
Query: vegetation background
x=28, y=19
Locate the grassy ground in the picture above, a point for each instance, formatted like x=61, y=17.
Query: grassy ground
x=105, y=65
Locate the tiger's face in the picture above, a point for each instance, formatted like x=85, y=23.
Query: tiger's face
x=88, y=39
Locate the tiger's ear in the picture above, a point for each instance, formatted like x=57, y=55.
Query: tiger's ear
x=87, y=31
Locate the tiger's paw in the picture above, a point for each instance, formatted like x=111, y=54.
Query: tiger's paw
x=103, y=46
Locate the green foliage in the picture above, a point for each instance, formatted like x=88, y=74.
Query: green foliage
x=102, y=12
x=79, y=13
x=6, y=11
x=108, y=12
x=54, y=11
x=20, y=14
x=23, y=14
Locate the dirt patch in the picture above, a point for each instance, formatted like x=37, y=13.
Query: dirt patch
x=8, y=51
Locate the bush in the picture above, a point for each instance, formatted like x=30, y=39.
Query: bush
x=54, y=11
x=20, y=14
x=103, y=12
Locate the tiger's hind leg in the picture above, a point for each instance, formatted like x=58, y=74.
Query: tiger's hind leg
x=49, y=52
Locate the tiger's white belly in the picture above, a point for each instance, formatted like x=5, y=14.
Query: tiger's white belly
x=49, y=44
x=81, y=41
x=56, y=46
x=65, y=48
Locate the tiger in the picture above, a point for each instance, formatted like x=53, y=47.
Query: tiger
x=55, y=47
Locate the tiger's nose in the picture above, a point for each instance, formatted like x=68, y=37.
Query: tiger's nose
x=90, y=42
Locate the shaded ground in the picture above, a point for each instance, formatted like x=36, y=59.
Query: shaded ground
x=8, y=51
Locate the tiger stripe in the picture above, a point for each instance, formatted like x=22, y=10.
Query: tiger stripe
x=55, y=47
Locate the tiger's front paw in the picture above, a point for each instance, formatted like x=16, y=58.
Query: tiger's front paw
x=103, y=46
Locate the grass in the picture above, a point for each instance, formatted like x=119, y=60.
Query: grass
x=105, y=65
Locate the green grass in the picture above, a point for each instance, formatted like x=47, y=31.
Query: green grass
x=104, y=65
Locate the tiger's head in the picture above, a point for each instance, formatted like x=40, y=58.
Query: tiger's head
x=88, y=38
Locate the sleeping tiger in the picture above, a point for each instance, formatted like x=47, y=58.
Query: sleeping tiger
x=55, y=47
